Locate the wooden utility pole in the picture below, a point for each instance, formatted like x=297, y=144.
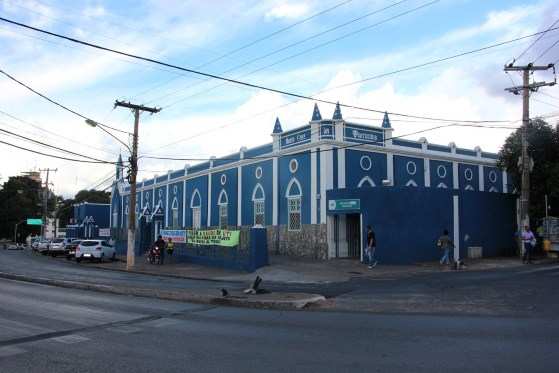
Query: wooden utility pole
x=133, y=173
x=525, y=161
x=46, y=199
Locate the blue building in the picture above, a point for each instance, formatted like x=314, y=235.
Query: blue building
x=91, y=220
x=316, y=188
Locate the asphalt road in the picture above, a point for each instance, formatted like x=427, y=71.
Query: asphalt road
x=48, y=329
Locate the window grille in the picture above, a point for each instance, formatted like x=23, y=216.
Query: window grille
x=196, y=217
x=259, y=212
x=294, y=211
x=223, y=215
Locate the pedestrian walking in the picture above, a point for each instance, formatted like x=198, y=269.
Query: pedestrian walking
x=529, y=241
x=445, y=243
x=170, y=248
x=371, y=247
x=160, y=243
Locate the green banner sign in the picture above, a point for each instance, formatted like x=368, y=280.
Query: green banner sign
x=344, y=204
x=218, y=237
x=34, y=221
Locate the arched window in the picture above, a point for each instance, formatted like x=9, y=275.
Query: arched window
x=115, y=217
x=293, y=195
x=258, y=200
x=223, y=202
x=196, y=206
x=366, y=182
x=175, y=213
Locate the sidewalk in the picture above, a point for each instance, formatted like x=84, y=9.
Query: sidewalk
x=291, y=270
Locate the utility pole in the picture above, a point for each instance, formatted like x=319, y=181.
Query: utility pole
x=525, y=161
x=137, y=109
x=45, y=199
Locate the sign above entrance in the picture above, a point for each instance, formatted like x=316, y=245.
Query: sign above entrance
x=176, y=235
x=34, y=221
x=344, y=204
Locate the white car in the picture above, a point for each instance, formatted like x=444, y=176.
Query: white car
x=58, y=246
x=43, y=246
x=95, y=249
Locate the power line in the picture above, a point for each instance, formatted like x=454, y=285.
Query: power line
x=439, y=60
x=52, y=155
x=550, y=28
x=234, y=81
x=547, y=50
x=314, y=36
x=254, y=42
x=100, y=125
x=52, y=146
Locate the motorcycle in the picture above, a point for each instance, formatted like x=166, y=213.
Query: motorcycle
x=154, y=256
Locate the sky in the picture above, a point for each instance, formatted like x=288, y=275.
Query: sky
x=309, y=47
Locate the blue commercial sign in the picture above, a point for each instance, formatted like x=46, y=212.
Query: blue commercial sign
x=363, y=135
x=326, y=132
x=298, y=137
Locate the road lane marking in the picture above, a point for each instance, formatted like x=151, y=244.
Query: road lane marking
x=70, y=339
x=10, y=351
x=536, y=270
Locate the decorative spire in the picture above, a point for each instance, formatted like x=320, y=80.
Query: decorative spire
x=316, y=114
x=277, y=127
x=119, y=167
x=337, y=112
x=386, y=121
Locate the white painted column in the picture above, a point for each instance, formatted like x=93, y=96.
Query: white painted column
x=505, y=189
x=456, y=230
x=184, y=203
x=239, y=195
x=427, y=172
x=341, y=168
x=275, y=191
x=481, y=179
x=390, y=167
x=166, y=221
x=455, y=175
x=208, y=220
x=121, y=211
x=326, y=178
x=314, y=177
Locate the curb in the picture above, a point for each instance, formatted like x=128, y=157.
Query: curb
x=290, y=301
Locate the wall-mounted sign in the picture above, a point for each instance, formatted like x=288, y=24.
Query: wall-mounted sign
x=363, y=135
x=326, y=131
x=104, y=232
x=298, y=137
x=176, y=235
x=34, y=221
x=218, y=237
x=344, y=204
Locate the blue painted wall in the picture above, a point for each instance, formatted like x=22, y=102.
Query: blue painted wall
x=200, y=183
x=355, y=172
x=441, y=174
x=464, y=175
x=404, y=173
x=303, y=176
x=230, y=187
x=249, y=181
x=175, y=193
x=493, y=179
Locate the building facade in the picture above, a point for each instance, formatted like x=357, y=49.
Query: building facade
x=91, y=220
x=285, y=186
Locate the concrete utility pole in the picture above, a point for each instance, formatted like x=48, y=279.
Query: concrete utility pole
x=45, y=199
x=133, y=172
x=525, y=161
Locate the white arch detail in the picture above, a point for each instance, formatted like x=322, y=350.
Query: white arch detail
x=256, y=187
x=196, y=192
x=368, y=180
x=223, y=193
x=175, y=204
x=291, y=182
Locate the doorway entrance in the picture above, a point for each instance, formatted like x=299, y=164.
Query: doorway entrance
x=353, y=235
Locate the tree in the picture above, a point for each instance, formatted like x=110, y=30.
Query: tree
x=20, y=198
x=543, y=148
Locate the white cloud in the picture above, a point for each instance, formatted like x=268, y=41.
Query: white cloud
x=94, y=11
x=286, y=10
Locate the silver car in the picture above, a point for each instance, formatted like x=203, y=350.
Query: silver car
x=43, y=246
x=58, y=246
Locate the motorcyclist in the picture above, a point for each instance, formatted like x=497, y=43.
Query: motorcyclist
x=160, y=244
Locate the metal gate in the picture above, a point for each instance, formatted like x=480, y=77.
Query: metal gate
x=353, y=234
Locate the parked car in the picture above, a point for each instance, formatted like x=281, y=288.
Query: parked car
x=58, y=246
x=72, y=249
x=35, y=243
x=95, y=249
x=43, y=246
